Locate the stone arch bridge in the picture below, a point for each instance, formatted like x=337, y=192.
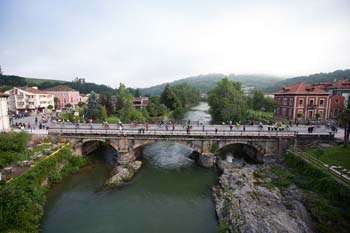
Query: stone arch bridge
x=261, y=146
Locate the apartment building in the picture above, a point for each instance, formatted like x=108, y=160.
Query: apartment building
x=29, y=99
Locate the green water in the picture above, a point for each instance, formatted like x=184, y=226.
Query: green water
x=163, y=197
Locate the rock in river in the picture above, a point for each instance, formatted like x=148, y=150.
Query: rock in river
x=121, y=174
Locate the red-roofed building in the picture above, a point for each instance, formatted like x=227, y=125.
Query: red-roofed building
x=307, y=99
x=65, y=95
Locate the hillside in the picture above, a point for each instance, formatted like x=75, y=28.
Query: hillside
x=313, y=78
x=9, y=81
x=208, y=81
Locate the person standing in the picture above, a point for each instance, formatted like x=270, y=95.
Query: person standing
x=203, y=127
x=146, y=126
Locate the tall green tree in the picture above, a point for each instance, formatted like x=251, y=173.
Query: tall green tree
x=93, y=107
x=169, y=98
x=124, y=107
x=258, y=100
x=227, y=101
x=103, y=113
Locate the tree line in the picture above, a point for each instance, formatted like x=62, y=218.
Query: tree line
x=228, y=102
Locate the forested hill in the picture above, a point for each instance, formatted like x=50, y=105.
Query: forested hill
x=9, y=81
x=313, y=78
x=208, y=81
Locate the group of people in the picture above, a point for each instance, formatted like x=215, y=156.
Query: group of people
x=28, y=125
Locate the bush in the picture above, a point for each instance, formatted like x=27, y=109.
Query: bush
x=22, y=200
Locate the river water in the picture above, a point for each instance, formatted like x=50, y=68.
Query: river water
x=169, y=194
x=199, y=113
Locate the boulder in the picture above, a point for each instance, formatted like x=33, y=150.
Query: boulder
x=122, y=174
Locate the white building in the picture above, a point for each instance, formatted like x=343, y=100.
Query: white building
x=4, y=117
x=28, y=99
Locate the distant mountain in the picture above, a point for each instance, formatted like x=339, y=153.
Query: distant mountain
x=208, y=81
x=9, y=81
x=313, y=78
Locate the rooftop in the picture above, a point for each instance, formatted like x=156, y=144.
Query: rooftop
x=32, y=90
x=61, y=88
x=302, y=88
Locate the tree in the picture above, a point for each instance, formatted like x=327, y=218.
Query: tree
x=226, y=101
x=50, y=107
x=137, y=93
x=57, y=103
x=258, y=100
x=93, y=107
x=155, y=108
x=344, y=119
x=103, y=113
x=81, y=104
x=68, y=105
x=169, y=99
x=124, y=106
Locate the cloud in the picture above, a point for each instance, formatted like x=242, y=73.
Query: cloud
x=147, y=43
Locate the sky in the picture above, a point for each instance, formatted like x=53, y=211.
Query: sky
x=144, y=43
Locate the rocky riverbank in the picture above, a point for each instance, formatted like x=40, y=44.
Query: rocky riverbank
x=245, y=204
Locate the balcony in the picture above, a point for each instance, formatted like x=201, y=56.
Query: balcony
x=311, y=106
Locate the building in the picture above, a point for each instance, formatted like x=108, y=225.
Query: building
x=309, y=101
x=340, y=95
x=140, y=102
x=65, y=95
x=4, y=117
x=29, y=99
x=84, y=98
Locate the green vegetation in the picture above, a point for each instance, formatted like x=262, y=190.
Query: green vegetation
x=208, y=81
x=327, y=200
x=179, y=98
x=223, y=227
x=22, y=200
x=113, y=119
x=12, y=147
x=227, y=101
x=313, y=78
x=9, y=81
x=337, y=155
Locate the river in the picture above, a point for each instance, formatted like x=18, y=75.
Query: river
x=169, y=194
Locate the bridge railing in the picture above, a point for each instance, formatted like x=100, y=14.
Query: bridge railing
x=126, y=132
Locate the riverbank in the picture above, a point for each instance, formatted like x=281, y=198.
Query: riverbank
x=293, y=197
x=245, y=204
x=22, y=200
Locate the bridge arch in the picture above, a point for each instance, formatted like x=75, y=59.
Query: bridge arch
x=249, y=151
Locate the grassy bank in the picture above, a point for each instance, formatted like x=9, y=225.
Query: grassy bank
x=327, y=201
x=22, y=200
x=338, y=155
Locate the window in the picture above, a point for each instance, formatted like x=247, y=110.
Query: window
x=301, y=102
x=321, y=114
x=285, y=101
x=311, y=114
x=311, y=102
x=290, y=113
x=321, y=102
x=284, y=112
x=291, y=102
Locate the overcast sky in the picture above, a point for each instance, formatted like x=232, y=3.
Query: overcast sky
x=142, y=43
